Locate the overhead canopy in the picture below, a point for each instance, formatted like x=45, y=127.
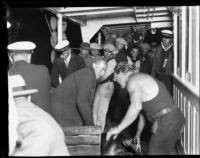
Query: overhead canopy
x=116, y=18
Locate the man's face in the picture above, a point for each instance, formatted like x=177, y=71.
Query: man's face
x=166, y=41
x=95, y=52
x=66, y=53
x=107, y=54
x=144, y=50
x=105, y=32
x=119, y=46
x=153, y=49
x=120, y=78
x=134, y=52
x=100, y=70
x=129, y=38
x=85, y=51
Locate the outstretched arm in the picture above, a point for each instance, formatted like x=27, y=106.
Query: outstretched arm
x=132, y=113
x=141, y=125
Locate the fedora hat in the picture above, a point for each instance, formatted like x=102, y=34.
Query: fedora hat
x=18, y=86
x=95, y=46
x=85, y=45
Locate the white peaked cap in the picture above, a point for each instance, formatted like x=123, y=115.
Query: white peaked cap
x=21, y=45
x=61, y=45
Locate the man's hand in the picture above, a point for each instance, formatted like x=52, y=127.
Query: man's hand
x=137, y=141
x=113, y=131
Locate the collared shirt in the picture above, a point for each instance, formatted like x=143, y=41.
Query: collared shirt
x=166, y=48
x=68, y=59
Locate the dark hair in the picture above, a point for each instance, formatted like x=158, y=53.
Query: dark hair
x=124, y=67
x=135, y=46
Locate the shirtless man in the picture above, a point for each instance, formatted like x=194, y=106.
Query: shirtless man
x=152, y=96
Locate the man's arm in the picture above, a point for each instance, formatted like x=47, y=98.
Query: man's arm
x=55, y=75
x=132, y=113
x=81, y=63
x=83, y=100
x=141, y=124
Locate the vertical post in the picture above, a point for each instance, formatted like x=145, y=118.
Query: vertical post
x=175, y=43
x=183, y=42
x=99, y=38
x=59, y=31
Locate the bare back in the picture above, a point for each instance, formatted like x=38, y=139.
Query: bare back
x=145, y=83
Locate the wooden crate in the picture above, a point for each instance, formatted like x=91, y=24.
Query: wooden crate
x=83, y=140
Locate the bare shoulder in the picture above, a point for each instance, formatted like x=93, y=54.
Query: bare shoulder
x=138, y=80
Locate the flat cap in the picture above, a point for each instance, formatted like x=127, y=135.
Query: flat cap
x=122, y=41
x=21, y=46
x=95, y=46
x=109, y=47
x=167, y=33
x=61, y=46
x=145, y=46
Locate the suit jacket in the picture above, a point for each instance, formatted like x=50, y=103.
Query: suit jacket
x=59, y=68
x=73, y=98
x=157, y=61
x=36, y=77
x=145, y=64
x=121, y=56
x=40, y=134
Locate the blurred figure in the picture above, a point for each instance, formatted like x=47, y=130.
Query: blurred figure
x=38, y=133
x=108, y=37
x=163, y=63
x=135, y=57
x=95, y=50
x=36, y=76
x=73, y=99
x=129, y=40
x=84, y=53
x=54, y=36
x=66, y=64
x=145, y=59
x=152, y=53
x=121, y=45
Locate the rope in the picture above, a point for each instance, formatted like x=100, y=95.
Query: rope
x=47, y=24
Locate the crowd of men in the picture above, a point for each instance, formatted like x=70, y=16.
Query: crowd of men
x=104, y=85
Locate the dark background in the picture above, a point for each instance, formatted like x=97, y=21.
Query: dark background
x=29, y=24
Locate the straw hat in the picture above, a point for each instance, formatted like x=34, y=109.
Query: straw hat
x=18, y=86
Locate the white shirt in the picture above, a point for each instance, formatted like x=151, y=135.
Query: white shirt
x=68, y=59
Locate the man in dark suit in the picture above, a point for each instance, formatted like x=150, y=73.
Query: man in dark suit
x=67, y=63
x=35, y=76
x=163, y=61
x=73, y=99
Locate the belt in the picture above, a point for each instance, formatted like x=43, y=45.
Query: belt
x=163, y=112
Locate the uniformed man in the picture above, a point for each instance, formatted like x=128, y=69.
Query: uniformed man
x=35, y=76
x=163, y=61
